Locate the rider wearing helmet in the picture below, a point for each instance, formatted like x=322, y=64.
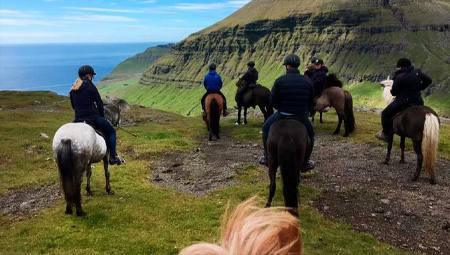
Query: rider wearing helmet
x=408, y=82
x=213, y=83
x=292, y=95
x=250, y=77
x=88, y=107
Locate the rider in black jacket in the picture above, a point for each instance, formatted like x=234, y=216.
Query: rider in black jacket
x=292, y=95
x=88, y=107
x=408, y=82
x=250, y=77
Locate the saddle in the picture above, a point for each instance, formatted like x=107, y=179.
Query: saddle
x=90, y=123
x=403, y=109
x=290, y=117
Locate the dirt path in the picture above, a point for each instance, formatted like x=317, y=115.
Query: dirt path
x=207, y=168
x=375, y=198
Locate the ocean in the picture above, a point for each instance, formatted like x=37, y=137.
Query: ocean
x=54, y=67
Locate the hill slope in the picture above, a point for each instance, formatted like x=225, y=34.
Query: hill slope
x=359, y=40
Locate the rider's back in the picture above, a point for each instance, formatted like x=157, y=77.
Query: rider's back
x=292, y=93
x=85, y=100
x=409, y=82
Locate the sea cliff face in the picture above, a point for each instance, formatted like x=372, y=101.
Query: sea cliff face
x=360, y=40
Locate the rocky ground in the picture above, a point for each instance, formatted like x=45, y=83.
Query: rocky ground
x=357, y=188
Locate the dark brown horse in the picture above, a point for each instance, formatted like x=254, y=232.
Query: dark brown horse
x=213, y=108
x=421, y=124
x=287, y=144
x=332, y=81
x=258, y=96
x=341, y=100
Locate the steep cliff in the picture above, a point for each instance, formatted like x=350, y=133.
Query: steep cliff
x=358, y=39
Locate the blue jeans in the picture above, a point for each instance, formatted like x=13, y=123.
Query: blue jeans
x=107, y=129
x=398, y=105
x=276, y=116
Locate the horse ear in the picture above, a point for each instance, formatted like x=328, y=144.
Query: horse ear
x=388, y=78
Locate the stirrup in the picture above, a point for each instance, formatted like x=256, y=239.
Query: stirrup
x=263, y=161
x=116, y=161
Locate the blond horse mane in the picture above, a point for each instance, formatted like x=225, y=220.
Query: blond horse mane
x=387, y=86
x=254, y=231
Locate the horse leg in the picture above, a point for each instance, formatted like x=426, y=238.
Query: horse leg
x=107, y=174
x=273, y=182
x=402, y=147
x=239, y=115
x=313, y=115
x=210, y=134
x=321, y=120
x=389, y=149
x=418, y=149
x=245, y=115
x=88, y=180
x=338, y=128
x=263, y=110
x=77, y=195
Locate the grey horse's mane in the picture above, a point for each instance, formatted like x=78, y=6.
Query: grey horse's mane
x=113, y=107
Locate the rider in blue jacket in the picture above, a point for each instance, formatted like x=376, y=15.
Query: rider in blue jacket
x=213, y=83
x=88, y=107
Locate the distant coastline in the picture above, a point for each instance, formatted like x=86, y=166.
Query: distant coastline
x=53, y=67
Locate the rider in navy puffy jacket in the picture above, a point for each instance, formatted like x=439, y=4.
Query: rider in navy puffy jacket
x=213, y=83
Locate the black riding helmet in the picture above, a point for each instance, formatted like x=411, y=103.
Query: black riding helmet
x=404, y=62
x=292, y=60
x=251, y=64
x=313, y=60
x=85, y=70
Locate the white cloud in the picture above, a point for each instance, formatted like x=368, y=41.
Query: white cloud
x=213, y=6
x=5, y=11
x=148, y=2
x=103, y=9
x=26, y=22
x=100, y=18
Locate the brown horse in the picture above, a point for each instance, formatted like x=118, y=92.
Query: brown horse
x=258, y=96
x=213, y=108
x=341, y=100
x=288, y=146
x=253, y=230
x=421, y=124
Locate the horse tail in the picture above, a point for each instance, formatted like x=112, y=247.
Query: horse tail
x=333, y=81
x=349, y=122
x=65, y=161
x=430, y=142
x=290, y=164
x=214, y=117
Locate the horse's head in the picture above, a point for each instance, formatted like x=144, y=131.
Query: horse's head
x=240, y=83
x=387, y=86
x=113, y=107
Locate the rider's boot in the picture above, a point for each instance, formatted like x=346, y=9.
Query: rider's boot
x=265, y=159
x=116, y=160
x=382, y=136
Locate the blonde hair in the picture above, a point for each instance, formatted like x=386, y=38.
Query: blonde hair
x=77, y=84
x=254, y=231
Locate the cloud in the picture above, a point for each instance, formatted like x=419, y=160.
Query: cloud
x=100, y=18
x=147, y=2
x=91, y=9
x=5, y=11
x=206, y=7
x=26, y=22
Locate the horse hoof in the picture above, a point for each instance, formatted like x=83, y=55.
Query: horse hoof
x=267, y=205
x=433, y=182
x=81, y=214
x=237, y=124
x=386, y=162
x=89, y=193
x=336, y=133
x=110, y=192
x=346, y=135
x=402, y=162
x=415, y=179
x=68, y=211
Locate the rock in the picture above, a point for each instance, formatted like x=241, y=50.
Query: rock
x=388, y=215
x=385, y=201
x=326, y=208
x=44, y=136
x=379, y=210
x=167, y=171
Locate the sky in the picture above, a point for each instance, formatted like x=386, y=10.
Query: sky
x=101, y=21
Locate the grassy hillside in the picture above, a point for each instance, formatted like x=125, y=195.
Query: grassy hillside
x=359, y=40
x=139, y=219
x=130, y=70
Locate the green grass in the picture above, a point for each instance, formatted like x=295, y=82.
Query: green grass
x=142, y=218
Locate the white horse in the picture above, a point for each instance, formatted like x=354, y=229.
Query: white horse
x=75, y=147
x=421, y=124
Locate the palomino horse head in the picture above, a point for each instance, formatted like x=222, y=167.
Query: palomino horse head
x=387, y=86
x=113, y=107
x=265, y=231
